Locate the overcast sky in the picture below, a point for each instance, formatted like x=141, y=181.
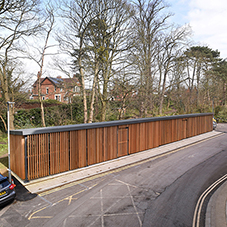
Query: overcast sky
x=207, y=19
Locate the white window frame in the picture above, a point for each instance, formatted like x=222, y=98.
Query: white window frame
x=57, y=95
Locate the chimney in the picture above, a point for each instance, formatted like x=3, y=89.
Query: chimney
x=59, y=77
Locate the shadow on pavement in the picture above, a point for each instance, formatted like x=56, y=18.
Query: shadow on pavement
x=22, y=194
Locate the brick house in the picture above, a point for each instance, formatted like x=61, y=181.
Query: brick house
x=61, y=89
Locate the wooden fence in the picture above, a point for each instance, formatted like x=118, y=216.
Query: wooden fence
x=41, y=152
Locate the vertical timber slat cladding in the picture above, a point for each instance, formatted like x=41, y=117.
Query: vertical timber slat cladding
x=38, y=156
x=78, y=149
x=111, y=142
x=17, y=158
x=99, y=145
x=74, y=150
x=166, y=131
x=149, y=134
x=64, y=151
x=205, y=124
x=82, y=148
x=202, y=124
x=122, y=141
x=157, y=137
x=134, y=138
x=142, y=137
x=191, y=129
x=91, y=146
x=55, y=151
x=105, y=144
x=197, y=126
x=31, y=156
x=184, y=128
x=44, y=165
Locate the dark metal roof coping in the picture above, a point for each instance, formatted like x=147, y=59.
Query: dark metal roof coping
x=75, y=127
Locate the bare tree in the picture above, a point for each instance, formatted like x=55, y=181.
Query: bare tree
x=113, y=26
x=18, y=19
x=150, y=20
x=171, y=48
x=96, y=34
x=77, y=15
x=47, y=30
x=199, y=60
x=123, y=91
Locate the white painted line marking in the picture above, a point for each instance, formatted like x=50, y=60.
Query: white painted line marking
x=133, y=203
x=102, y=219
x=197, y=213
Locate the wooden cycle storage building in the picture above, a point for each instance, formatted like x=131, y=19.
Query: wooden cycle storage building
x=40, y=152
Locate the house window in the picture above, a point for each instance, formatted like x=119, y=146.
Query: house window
x=60, y=89
x=55, y=89
x=43, y=98
x=47, y=90
x=76, y=89
x=58, y=98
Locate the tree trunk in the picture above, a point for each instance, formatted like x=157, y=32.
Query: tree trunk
x=104, y=102
x=84, y=97
x=11, y=116
x=4, y=123
x=42, y=113
x=162, y=94
x=83, y=86
x=5, y=90
x=93, y=95
x=40, y=100
x=122, y=110
x=103, y=111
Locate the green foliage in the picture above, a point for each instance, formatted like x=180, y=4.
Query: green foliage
x=3, y=144
x=63, y=114
x=221, y=113
x=203, y=109
x=217, y=109
x=2, y=128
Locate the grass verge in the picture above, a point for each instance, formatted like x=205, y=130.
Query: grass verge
x=3, y=144
x=4, y=166
x=3, y=154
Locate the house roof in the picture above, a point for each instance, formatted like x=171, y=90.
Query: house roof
x=36, y=82
x=58, y=82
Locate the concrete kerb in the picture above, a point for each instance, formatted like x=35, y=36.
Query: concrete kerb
x=216, y=213
x=50, y=182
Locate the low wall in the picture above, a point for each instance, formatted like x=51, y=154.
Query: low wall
x=41, y=152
